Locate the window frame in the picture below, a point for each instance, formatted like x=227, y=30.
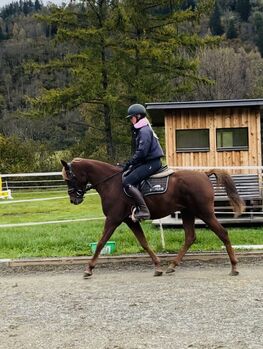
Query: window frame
x=235, y=147
x=191, y=149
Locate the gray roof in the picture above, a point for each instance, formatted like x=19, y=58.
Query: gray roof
x=157, y=110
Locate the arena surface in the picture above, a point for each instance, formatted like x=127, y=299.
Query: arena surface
x=125, y=307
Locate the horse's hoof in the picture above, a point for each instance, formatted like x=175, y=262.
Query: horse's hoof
x=234, y=273
x=87, y=274
x=158, y=273
x=170, y=270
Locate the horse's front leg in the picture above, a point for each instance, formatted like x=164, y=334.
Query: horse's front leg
x=138, y=232
x=109, y=227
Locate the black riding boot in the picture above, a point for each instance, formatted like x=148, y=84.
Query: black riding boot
x=143, y=212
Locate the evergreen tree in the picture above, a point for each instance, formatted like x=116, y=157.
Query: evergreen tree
x=258, y=29
x=227, y=5
x=158, y=51
x=243, y=8
x=121, y=52
x=231, y=30
x=37, y=5
x=189, y=4
x=90, y=62
x=259, y=41
x=215, y=21
x=16, y=8
x=3, y=36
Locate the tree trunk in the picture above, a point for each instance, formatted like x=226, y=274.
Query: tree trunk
x=108, y=132
x=106, y=108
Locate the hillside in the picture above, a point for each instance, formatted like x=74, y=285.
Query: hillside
x=174, y=52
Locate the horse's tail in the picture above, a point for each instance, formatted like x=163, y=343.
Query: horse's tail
x=225, y=180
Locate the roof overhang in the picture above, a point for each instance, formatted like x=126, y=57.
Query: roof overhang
x=157, y=111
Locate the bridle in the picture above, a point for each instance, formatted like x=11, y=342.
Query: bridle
x=73, y=187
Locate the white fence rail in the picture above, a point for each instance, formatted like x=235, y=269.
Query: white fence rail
x=33, y=181
x=53, y=181
x=49, y=180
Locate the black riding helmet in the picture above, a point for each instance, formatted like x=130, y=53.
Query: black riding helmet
x=136, y=109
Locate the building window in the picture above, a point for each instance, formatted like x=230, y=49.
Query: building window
x=232, y=138
x=192, y=140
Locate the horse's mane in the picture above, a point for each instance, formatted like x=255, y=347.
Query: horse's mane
x=77, y=160
x=64, y=175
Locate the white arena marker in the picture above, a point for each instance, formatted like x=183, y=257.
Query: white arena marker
x=247, y=247
x=28, y=224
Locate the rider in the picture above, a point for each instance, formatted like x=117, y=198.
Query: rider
x=146, y=159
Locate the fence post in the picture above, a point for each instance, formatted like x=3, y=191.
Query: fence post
x=4, y=194
x=162, y=234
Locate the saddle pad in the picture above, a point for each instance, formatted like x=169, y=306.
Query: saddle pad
x=152, y=186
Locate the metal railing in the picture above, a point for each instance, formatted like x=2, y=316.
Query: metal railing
x=32, y=181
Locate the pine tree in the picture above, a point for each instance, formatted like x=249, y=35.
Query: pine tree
x=215, y=21
x=231, y=30
x=259, y=41
x=243, y=8
x=120, y=52
x=3, y=36
x=258, y=28
x=90, y=65
x=37, y=5
x=189, y=4
x=152, y=50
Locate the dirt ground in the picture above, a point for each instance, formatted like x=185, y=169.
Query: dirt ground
x=125, y=307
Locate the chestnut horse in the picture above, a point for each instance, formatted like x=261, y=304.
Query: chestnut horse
x=189, y=192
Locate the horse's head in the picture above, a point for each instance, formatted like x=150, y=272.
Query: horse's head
x=76, y=184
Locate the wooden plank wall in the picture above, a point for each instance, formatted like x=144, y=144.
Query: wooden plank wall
x=212, y=119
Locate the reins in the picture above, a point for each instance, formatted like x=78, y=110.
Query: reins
x=90, y=186
x=93, y=186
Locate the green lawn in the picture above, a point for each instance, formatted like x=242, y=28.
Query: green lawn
x=73, y=239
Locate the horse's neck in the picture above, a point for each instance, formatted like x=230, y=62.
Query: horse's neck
x=98, y=171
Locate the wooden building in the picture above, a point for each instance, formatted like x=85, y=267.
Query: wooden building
x=210, y=133
x=220, y=133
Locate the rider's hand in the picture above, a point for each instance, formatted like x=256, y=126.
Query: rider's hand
x=126, y=166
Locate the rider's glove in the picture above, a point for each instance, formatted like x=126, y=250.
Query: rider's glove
x=126, y=166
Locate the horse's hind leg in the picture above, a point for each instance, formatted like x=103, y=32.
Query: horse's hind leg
x=188, y=225
x=138, y=232
x=222, y=233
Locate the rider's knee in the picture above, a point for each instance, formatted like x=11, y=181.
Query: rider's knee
x=125, y=183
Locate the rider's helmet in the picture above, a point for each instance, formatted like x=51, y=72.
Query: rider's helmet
x=136, y=109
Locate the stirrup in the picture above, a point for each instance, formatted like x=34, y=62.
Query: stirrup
x=136, y=219
x=132, y=216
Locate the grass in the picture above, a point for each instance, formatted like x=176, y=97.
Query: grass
x=73, y=239
x=49, y=210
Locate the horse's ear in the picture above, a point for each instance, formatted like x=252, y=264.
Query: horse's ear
x=64, y=164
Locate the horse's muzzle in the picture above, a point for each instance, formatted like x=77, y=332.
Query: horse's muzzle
x=76, y=201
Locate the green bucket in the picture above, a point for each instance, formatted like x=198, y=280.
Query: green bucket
x=109, y=247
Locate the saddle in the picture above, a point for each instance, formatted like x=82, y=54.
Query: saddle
x=156, y=183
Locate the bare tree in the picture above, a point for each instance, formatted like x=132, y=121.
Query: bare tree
x=233, y=74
